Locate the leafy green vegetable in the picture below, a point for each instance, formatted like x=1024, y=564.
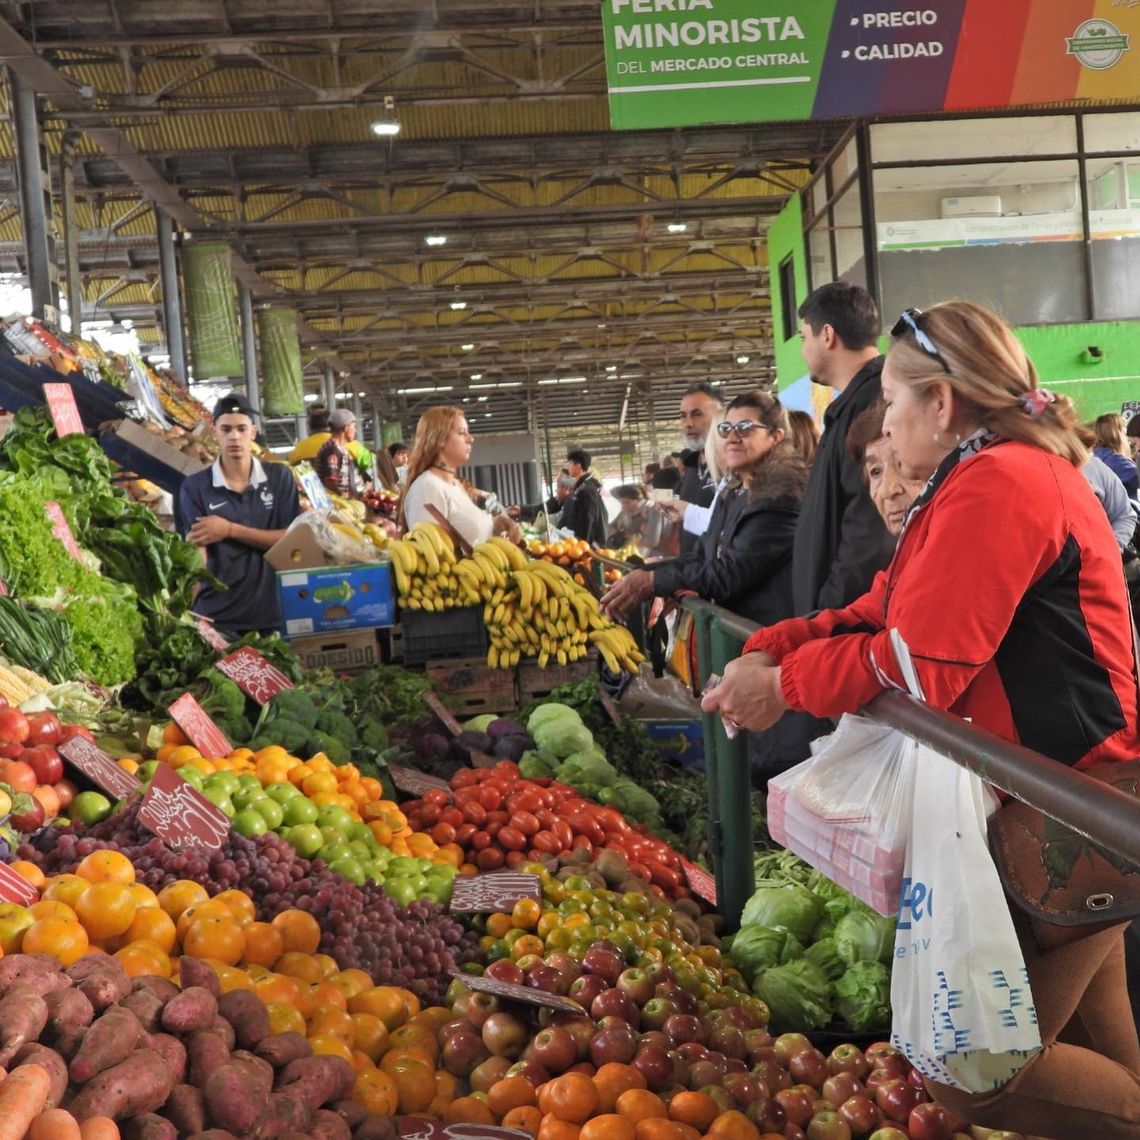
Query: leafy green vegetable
x=784, y=904
x=797, y=994
x=824, y=955
x=864, y=936
x=562, y=736
x=863, y=996
x=756, y=947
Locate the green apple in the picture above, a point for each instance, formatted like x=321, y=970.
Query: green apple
x=146, y=770
x=305, y=839
x=221, y=798
x=299, y=809
x=360, y=850
x=226, y=781
x=89, y=807
x=247, y=797
x=400, y=891
x=193, y=776
x=331, y=852
x=331, y=834
x=249, y=823
x=282, y=791
x=333, y=816
x=250, y=781
x=362, y=832
x=350, y=868
x=269, y=810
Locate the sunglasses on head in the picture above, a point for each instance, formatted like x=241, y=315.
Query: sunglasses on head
x=909, y=322
x=743, y=429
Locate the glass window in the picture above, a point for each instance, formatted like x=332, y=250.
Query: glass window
x=847, y=218
x=788, y=306
x=820, y=264
x=1112, y=132
x=973, y=138
x=1005, y=234
x=845, y=163
x=1114, y=226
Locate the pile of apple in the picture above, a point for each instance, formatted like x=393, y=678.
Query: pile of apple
x=33, y=788
x=642, y=1017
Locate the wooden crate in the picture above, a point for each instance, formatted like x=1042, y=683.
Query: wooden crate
x=470, y=686
x=535, y=683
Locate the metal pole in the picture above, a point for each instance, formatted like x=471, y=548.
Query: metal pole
x=73, y=282
x=249, y=348
x=328, y=380
x=35, y=197
x=171, y=295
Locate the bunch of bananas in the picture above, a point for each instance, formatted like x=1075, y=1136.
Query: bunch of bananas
x=425, y=564
x=355, y=531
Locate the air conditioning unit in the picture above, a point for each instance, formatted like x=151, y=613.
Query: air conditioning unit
x=976, y=206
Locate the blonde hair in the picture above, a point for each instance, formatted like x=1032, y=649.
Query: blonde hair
x=990, y=374
x=435, y=425
x=1109, y=432
x=804, y=434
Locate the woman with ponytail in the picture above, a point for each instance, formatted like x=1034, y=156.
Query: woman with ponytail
x=1007, y=599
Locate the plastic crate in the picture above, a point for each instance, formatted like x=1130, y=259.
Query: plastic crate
x=471, y=687
x=439, y=637
x=536, y=683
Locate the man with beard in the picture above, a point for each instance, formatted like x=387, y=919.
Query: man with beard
x=701, y=408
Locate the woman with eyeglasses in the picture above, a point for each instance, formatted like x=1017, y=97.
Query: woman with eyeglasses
x=744, y=558
x=1006, y=596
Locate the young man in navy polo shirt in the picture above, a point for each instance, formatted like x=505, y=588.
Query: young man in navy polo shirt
x=233, y=512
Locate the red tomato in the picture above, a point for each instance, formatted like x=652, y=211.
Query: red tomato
x=429, y=815
x=612, y=820
x=530, y=800
x=547, y=818
x=512, y=839
x=515, y=859
x=493, y=828
x=489, y=859
x=582, y=841
x=443, y=833
x=564, y=832
x=464, y=778
x=525, y=822
x=490, y=796
x=480, y=840
x=13, y=726
x=662, y=876
x=475, y=813
x=452, y=815
x=69, y=730
x=437, y=796
x=509, y=767
x=547, y=841
x=464, y=832
x=640, y=870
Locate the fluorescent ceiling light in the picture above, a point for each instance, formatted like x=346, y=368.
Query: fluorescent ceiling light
x=416, y=391
x=436, y=239
x=476, y=375
x=488, y=415
x=677, y=227
x=459, y=305
x=611, y=367
x=566, y=380
x=386, y=128
x=743, y=359
x=503, y=384
x=467, y=347
x=311, y=397
x=481, y=399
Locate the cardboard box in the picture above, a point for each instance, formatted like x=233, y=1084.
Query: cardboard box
x=336, y=598
x=351, y=652
x=156, y=447
x=297, y=549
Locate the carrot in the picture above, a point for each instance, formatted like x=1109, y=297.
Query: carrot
x=99, y=1128
x=23, y=1094
x=55, y=1124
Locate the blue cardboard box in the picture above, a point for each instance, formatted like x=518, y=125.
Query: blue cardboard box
x=329, y=598
x=682, y=741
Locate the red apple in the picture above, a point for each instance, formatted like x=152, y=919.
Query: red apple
x=13, y=726
x=70, y=730
x=848, y=1058
x=504, y=970
x=788, y=1043
x=828, y=1125
x=462, y=1052
x=43, y=728
x=896, y=1098
x=655, y=1065
x=480, y=1007
x=532, y=1070
x=745, y=1088
x=586, y=988
x=929, y=1122
x=554, y=1049
x=636, y=985
x=616, y=1043
x=488, y=1074
x=767, y=1115
x=862, y=1115
x=613, y=1003
x=682, y=1027
x=808, y=1066
x=504, y=1034
x=45, y=761
x=797, y=1104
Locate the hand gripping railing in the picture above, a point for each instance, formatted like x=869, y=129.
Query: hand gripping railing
x=1102, y=813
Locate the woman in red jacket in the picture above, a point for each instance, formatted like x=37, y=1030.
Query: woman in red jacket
x=1007, y=597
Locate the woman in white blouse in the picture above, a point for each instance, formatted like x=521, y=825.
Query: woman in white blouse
x=443, y=445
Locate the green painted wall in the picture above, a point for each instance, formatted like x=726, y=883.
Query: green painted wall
x=785, y=236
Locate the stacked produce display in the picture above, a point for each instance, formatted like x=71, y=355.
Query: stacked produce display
x=396, y=919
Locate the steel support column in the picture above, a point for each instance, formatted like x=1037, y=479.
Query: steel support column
x=328, y=386
x=73, y=284
x=35, y=201
x=171, y=295
x=249, y=348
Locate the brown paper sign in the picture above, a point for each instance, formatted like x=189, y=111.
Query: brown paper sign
x=512, y=992
x=203, y=733
x=498, y=890
x=254, y=675
x=416, y=783
x=180, y=815
x=445, y=715
x=99, y=768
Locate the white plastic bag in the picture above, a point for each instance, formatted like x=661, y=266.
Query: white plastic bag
x=963, y=1011
x=846, y=809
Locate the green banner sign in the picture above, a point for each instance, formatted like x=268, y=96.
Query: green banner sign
x=211, y=310
x=282, y=388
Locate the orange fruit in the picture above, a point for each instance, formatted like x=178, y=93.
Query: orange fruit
x=552, y=1128
x=67, y=941
x=106, y=909
x=303, y=967
x=215, y=937
x=733, y=1125
x=208, y=907
x=64, y=888
x=284, y=1018
x=369, y=1035
x=141, y=957
x=29, y=871
x=468, y=1110
x=52, y=908
x=325, y=993
x=446, y=1087
x=263, y=945
x=608, y=1127
x=695, y=1108
x=300, y=930
x=376, y=1093
x=612, y=1079
x=231, y=978
x=654, y=1129
x=526, y=1118
x=144, y=896
x=326, y=1044
x=418, y=1037
x=572, y=1097
x=172, y=734
x=510, y=1092
x=641, y=1104
x=383, y=1001
x=415, y=1084
x=175, y=897
x=183, y=754
x=106, y=866
x=240, y=904
x=328, y=965
x=152, y=924
x=330, y=1022
x=278, y=988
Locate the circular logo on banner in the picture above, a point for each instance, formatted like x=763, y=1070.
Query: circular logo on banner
x=1098, y=45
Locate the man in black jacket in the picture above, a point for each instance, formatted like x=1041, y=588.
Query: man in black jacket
x=841, y=542
x=702, y=406
x=584, y=512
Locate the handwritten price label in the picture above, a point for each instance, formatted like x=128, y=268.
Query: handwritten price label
x=211, y=636
x=254, y=675
x=64, y=414
x=61, y=530
x=427, y=1128
x=500, y=890
x=700, y=881
x=15, y=888
x=180, y=815
x=416, y=783
x=518, y=993
x=99, y=768
x=203, y=733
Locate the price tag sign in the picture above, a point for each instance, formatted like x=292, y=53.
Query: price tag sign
x=512, y=992
x=499, y=890
x=416, y=783
x=15, y=888
x=202, y=732
x=443, y=712
x=700, y=881
x=180, y=815
x=64, y=414
x=99, y=768
x=611, y=709
x=428, y=1128
x=4, y=591
x=254, y=675
x=61, y=530
x=211, y=636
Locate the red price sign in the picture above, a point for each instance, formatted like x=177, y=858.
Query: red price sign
x=179, y=814
x=99, y=768
x=416, y=783
x=499, y=890
x=700, y=881
x=64, y=414
x=61, y=530
x=428, y=1128
x=203, y=733
x=4, y=591
x=518, y=993
x=15, y=888
x=211, y=636
x=254, y=675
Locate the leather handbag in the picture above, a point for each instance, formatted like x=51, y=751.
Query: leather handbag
x=1059, y=876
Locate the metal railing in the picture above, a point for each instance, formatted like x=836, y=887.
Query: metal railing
x=1102, y=813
